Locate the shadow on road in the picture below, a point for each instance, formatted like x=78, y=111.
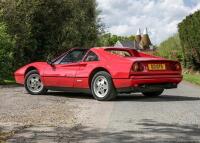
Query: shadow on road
x=122, y=97
x=148, y=131
x=71, y=95
x=128, y=97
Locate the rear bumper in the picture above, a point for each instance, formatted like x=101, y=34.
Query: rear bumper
x=144, y=83
x=147, y=87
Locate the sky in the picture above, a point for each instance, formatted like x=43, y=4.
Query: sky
x=161, y=17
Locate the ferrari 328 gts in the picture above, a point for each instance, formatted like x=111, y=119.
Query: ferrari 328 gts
x=103, y=72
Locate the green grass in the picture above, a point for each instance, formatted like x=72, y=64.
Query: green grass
x=193, y=78
x=7, y=82
x=10, y=81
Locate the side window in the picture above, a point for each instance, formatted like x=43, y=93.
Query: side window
x=73, y=56
x=91, y=56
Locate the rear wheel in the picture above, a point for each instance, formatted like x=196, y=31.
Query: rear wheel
x=153, y=93
x=102, y=87
x=33, y=83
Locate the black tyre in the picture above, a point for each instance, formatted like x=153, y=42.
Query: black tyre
x=102, y=87
x=33, y=83
x=153, y=93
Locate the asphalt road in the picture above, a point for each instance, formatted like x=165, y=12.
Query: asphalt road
x=66, y=117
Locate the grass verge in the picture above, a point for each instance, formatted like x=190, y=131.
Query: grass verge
x=193, y=78
x=7, y=82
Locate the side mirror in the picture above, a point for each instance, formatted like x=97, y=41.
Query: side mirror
x=49, y=62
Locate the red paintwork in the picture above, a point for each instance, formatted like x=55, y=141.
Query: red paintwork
x=76, y=75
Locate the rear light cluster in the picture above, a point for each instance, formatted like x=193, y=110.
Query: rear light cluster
x=138, y=67
x=176, y=67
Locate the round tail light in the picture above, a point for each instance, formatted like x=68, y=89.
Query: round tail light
x=137, y=67
x=177, y=67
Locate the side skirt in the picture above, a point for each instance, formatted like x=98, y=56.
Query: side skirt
x=70, y=89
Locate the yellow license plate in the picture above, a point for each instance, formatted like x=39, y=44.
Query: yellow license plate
x=156, y=67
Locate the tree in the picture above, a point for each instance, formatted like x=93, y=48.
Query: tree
x=189, y=32
x=109, y=40
x=171, y=48
x=47, y=28
x=6, y=53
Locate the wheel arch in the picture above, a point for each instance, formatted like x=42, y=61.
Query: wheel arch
x=30, y=69
x=96, y=70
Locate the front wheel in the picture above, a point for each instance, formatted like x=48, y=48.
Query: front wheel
x=33, y=83
x=153, y=93
x=102, y=87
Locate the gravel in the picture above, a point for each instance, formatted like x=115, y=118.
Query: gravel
x=69, y=117
x=16, y=106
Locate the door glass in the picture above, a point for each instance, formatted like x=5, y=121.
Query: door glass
x=74, y=56
x=91, y=56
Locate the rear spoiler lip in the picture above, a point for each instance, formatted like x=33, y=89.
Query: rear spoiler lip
x=150, y=59
x=155, y=60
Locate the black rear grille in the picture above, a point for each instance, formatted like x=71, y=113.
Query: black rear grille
x=160, y=85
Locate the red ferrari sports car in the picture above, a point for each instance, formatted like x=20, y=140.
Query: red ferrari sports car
x=104, y=72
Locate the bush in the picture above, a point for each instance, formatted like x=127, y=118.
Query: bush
x=34, y=30
x=6, y=53
x=107, y=39
x=47, y=28
x=171, y=49
x=189, y=32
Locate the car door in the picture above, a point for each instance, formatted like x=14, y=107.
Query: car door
x=90, y=62
x=63, y=73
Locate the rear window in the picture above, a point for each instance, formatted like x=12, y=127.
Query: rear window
x=122, y=53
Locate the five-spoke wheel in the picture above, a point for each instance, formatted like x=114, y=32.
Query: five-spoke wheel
x=33, y=83
x=102, y=86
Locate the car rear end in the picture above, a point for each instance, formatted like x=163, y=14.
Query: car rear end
x=148, y=74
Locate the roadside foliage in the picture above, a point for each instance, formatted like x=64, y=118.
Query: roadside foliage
x=189, y=31
x=44, y=29
x=107, y=39
x=170, y=49
x=6, y=53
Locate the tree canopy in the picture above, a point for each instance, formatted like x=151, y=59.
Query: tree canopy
x=171, y=48
x=189, y=32
x=107, y=39
x=42, y=28
x=6, y=52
